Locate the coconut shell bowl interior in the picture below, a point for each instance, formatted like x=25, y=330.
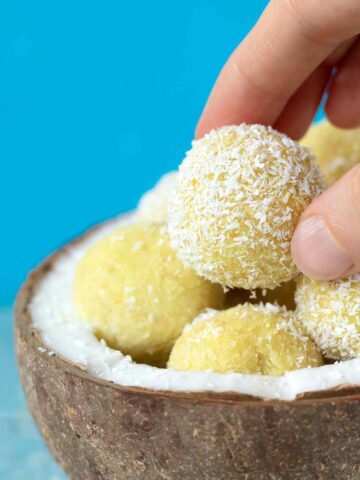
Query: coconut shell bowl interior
x=97, y=429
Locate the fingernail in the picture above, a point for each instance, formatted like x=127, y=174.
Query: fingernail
x=316, y=252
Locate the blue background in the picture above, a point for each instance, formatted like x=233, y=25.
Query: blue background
x=97, y=100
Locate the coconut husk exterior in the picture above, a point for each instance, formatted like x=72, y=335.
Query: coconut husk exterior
x=98, y=430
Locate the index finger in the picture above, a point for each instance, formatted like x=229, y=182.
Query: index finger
x=290, y=40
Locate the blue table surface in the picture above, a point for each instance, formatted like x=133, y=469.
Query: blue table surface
x=23, y=454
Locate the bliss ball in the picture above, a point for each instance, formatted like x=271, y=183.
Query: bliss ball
x=153, y=205
x=262, y=339
x=336, y=150
x=238, y=197
x=137, y=295
x=330, y=313
x=283, y=295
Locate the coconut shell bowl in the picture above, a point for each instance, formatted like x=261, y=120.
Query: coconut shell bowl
x=154, y=424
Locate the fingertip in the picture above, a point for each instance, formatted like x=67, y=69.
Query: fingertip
x=340, y=114
x=316, y=252
x=301, y=109
x=205, y=126
x=325, y=243
x=199, y=130
x=343, y=103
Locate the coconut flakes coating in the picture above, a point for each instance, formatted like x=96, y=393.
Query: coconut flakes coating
x=336, y=150
x=136, y=294
x=262, y=339
x=330, y=313
x=154, y=204
x=237, y=199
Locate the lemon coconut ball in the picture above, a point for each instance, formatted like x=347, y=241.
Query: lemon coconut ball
x=261, y=339
x=336, y=150
x=154, y=204
x=237, y=199
x=136, y=294
x=330, y=313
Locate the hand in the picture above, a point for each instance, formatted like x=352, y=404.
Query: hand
x=277, y=76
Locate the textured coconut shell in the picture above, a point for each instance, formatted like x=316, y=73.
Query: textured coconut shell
x=98, y=430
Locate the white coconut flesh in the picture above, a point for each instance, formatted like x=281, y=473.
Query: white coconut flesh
x=66, y=335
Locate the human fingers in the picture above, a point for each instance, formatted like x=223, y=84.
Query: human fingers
x=291, y=39
x=325, y=244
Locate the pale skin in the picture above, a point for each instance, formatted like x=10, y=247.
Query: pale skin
x=297, y=51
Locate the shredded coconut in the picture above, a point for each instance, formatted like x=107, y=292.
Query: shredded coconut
x=63, y=332
x=153, y=205
x=337, y=150
x=330, y=313
x=237, y=199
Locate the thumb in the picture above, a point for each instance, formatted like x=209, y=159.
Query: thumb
x=326, y=242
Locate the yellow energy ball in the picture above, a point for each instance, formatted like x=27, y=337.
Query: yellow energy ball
x=330, y=313
x=237, y=199
x=284, y=295
x=263, y=339
x=136, y=294
x=153, y=205
x=336, y=150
